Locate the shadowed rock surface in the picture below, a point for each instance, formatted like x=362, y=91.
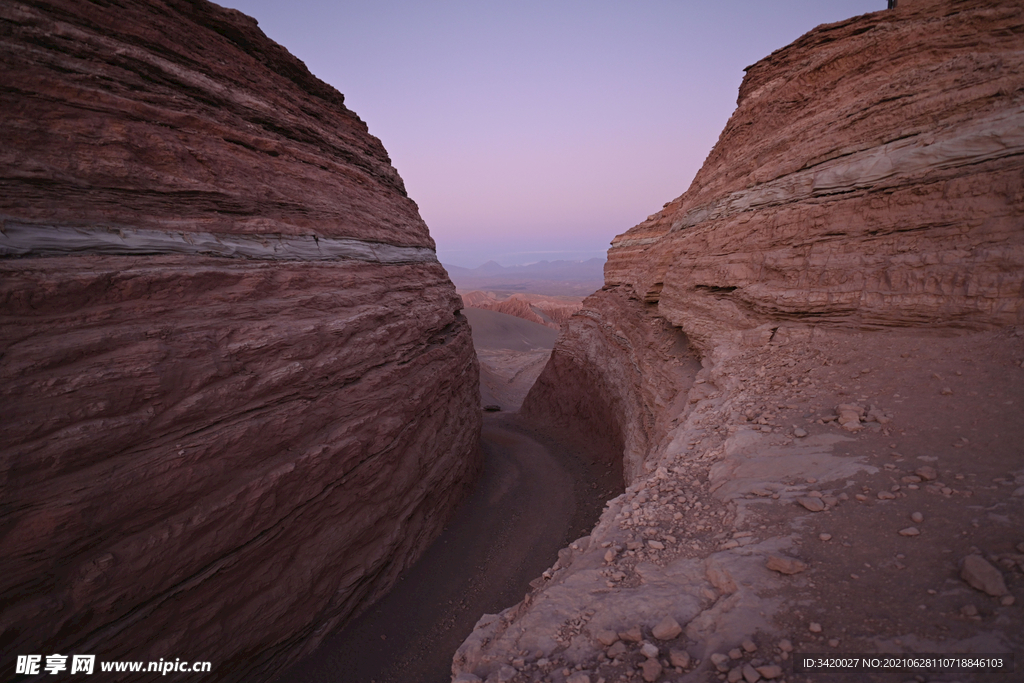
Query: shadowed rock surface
x=239, y=396
x=815, y=347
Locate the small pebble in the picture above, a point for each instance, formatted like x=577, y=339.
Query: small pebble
x=824, y=537
x=917, y=517
x=651, y=670
x=749, y=646
x=680, y=658
x=812, y=504
x=910, y=531
x=815, y=627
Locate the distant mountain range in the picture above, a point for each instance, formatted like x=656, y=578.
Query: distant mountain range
x=544, y=277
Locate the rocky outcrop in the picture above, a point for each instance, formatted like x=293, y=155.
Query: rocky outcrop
x=537, y=308
x=608, y=346
x=240, y=397
x=863, y=205
x=870, y=175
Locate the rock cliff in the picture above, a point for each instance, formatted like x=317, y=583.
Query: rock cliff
x=798, y=360
x=239, y=395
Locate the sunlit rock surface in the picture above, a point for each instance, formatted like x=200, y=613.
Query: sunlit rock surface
x=239, y=397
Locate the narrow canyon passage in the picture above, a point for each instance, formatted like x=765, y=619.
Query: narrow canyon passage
x=534, y=496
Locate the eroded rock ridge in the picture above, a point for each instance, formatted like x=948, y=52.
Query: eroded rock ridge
x=240, y=397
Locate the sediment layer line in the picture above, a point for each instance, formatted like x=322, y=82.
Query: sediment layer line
x=19, y=239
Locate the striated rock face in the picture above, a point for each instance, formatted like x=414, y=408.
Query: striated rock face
x=239, y=395
x=870, y=175
x=867, y=191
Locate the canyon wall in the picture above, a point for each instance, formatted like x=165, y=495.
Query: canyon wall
x=870, y=177
x=239, y=395
x=864, y=204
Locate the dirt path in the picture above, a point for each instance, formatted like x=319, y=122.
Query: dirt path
x=534, y=497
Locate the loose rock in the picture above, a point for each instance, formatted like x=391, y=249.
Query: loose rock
x=750, y=674
x=978, y=573
x=651, y=670
x=770, y=671
x=633, y=635
x=680, y=658
x=910, y=531
x=812, y=504
x=785, y=565
x=917, y=517
x=607, y=637
x=667, y=629
x=616, y=650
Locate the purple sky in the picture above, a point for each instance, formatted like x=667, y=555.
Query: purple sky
x=534, y=130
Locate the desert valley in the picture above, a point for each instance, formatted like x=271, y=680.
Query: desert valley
x=251, y=419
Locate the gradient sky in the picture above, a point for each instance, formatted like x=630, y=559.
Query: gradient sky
x=540, y=130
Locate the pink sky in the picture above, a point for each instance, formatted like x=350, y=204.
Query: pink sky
x=540, y=130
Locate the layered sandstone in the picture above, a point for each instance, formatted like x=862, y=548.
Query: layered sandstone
x=239, y=395
x=870, y=175
x=863, y=205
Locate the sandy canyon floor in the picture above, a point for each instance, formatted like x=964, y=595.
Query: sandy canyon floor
x=512, y=352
